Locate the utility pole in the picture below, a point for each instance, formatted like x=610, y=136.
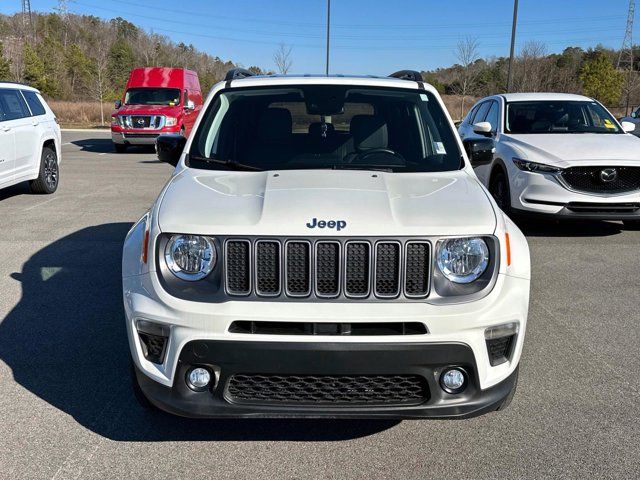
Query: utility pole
x=625, y=58
x=513, y=46
x=328, y=33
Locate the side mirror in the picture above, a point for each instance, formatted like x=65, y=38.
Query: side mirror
x=628, y=127
x=480, y=151
x=118, y=104
x=169, y=147
x=190, y=105
x=482, y=128
x=634, y=114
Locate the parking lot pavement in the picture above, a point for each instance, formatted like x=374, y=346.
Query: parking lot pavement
x=67, y=411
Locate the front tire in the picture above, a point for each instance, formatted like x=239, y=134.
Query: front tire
x=499, y=189
x=49, y=175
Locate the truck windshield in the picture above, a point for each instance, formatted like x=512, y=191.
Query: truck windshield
x=152, y=96
x=337, y=126
x=559, y=117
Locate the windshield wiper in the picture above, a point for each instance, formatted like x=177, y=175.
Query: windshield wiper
x=356, y=166
x=229, y=163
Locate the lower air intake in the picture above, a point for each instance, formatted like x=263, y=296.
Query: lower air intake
x=328, y=389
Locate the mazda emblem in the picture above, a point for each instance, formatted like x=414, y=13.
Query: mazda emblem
x=608, y=175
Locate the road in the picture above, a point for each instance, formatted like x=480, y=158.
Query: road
x=67, y=411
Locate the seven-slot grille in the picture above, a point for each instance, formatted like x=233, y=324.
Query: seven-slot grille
x=615, y=180
x=327, y=269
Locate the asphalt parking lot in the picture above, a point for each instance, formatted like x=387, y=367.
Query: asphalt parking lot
x=67, y=410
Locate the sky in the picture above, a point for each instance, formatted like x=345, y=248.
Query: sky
x=367, y=36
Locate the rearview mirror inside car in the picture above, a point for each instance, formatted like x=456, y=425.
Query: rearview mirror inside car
x=169, y=147
x=480, y=150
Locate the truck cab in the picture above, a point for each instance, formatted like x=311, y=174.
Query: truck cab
x=156, y=100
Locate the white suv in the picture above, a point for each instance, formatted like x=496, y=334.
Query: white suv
x=324, y=249
x=555, y=154
x=30, y=142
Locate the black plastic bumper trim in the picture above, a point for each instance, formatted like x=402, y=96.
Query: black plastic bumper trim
x=236, y=357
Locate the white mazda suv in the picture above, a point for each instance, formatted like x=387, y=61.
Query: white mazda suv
x=555, y=154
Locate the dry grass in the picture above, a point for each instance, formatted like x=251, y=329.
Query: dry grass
x=87, y=114
x=80, y=114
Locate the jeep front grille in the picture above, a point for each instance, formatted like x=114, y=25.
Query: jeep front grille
x=328, y=268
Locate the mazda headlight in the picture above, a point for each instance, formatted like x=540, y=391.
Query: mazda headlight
x=462, y=260
x=190, y=257
x=528, y=166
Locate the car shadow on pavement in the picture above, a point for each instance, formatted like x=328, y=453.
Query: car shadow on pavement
x=94, y=145
x=65, y=342
x=15, y=190
x=539, y=227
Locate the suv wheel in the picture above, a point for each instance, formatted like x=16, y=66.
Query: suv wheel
x=47, y=181
x=120, y=147
x=499, y=189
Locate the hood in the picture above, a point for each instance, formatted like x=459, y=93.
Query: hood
x=148, y=110
x=572, y=149
x=294, y=202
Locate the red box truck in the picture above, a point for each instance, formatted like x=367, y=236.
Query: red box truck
x=156, y=100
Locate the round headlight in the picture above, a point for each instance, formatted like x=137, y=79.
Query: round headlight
x=463, y=260
x=190, y=257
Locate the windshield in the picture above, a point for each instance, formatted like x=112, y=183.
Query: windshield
x=559, y=117
x=152, y=96
x=286, y=128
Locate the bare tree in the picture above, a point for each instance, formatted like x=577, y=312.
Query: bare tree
x=534, y=71
x=282, y=58
x=467, y=72
x=99, y=82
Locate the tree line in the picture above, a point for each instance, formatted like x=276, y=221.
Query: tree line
x=81, y=57
x=593, y=72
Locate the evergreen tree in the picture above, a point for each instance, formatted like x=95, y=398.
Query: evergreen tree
x=5, y=65
x=34, y=69
x=601, y=80
x=121, y=61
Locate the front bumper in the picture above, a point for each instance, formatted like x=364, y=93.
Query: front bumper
x=425, y=360
x=536, y=193
x=139, y=137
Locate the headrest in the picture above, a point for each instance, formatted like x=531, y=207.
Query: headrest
x=369, y=132
x=275, y=125
x=315, y=129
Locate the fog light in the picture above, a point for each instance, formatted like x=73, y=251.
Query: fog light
x=198, y=378
x=453, y=380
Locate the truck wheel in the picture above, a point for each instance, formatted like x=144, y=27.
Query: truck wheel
x=120, y=147
x=142, y=399
x=499, y=189
x=507, y=401
x=632, y=224
x=47, y=181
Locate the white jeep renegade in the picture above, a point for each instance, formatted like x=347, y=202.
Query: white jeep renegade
x=324, y=249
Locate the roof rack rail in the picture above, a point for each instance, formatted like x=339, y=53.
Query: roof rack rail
x=237, y=73
x=408, y=75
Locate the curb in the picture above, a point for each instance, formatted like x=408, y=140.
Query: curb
x=101, y=130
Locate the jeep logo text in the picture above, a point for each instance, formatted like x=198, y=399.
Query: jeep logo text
x=337, y=224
